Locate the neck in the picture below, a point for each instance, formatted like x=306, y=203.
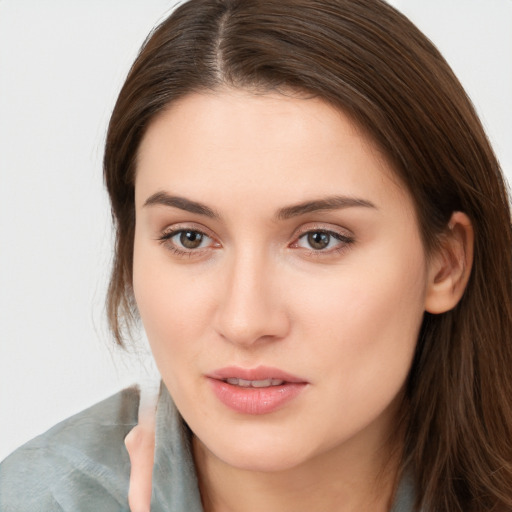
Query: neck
x=347, y=479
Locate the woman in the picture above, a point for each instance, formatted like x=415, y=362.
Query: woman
x=315, y=233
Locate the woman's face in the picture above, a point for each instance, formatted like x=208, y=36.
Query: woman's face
x=275, y=248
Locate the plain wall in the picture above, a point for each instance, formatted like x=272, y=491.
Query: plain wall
x=61, y=66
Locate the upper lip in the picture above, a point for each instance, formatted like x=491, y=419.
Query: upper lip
x=258, y=373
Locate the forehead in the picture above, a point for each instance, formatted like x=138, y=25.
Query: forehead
x=284, y=148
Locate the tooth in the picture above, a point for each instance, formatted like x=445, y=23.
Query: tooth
x=254, y=383
x=261, y=383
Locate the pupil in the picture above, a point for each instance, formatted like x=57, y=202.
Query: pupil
x=318, y=240
x=191, y=239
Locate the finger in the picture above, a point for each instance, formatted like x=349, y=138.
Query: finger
x=140, y=446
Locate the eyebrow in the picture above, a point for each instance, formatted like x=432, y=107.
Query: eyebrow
x=288, y=212
x=164, y=199
x=326, y=204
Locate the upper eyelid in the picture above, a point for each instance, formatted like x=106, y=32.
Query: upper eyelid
x=326, y=228
x=333, y=229
x=186, y=226
x=173, y=232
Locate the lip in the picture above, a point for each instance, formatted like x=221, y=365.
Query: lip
x=258, y=373
x=254, y=401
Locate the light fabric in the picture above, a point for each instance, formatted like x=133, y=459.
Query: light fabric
x=82, y=464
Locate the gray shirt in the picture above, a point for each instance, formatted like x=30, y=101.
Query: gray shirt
x=82, y=464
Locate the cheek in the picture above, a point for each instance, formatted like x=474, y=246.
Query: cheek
x=361, y=331
x=172, y=302
x=367, y=319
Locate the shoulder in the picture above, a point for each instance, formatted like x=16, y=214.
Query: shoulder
x=80, y=464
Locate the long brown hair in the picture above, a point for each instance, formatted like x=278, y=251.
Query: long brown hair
x=367, y=59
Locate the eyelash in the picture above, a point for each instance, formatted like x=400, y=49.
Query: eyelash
x=345, y=241
x=166, y=240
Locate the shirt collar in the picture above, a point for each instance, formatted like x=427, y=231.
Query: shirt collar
x=175, y=487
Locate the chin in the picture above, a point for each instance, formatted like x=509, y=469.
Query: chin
x=261, y=454
x=264, y=462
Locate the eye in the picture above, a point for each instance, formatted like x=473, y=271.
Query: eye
x=320, y=240
x=190, y=239
x=186, y=241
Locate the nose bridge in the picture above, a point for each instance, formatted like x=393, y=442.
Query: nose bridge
x=250, y=306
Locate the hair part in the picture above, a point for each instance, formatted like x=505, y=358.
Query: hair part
x=368, y=60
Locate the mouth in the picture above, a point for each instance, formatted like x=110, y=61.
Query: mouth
x=255, y=391
x=265, y=383
x=261, y=376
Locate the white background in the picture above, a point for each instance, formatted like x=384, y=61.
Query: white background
x=62, y=63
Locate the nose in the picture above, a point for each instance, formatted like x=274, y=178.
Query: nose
x=251, y=307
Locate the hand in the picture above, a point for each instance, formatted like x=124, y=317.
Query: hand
x=140, y=443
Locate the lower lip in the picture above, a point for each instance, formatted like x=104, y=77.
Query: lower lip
x=255, y=400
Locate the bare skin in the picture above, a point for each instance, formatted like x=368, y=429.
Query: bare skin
x=140, y=444
x=344, y=317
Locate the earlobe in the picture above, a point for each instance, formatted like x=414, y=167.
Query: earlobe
x=450, y=267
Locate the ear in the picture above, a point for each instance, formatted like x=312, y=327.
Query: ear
x=450, y=265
